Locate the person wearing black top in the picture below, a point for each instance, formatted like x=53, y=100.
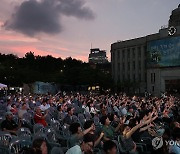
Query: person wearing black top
x=9, y=125
x=68, y=119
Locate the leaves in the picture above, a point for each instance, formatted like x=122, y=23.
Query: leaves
x=15, y=71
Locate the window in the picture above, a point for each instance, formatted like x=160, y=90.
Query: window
x=145, y=64
x=139, y=52
x=128, y=53
x=145, y=52
x=145, y=76
x=133, y=50
x=134, y=65
x=118, y=54
x=152, y=88
x=140, y=77
x=128, y=75
x=153, y=77
x=118, y=77
x=123, y=66
x=123, y=53
x=123, y=77
x=113, y=55
x=128, y=66
x=139, y=65
x=134, y=77
x=144, y=48
x=118, y=67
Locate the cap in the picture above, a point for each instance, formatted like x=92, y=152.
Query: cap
x=8, y=113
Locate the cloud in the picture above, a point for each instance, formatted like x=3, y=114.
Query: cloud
x=75, y=8
x=33, y=16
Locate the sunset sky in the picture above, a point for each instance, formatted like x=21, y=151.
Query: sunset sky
x=64, y=28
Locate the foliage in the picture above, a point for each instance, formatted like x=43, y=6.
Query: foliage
x=15, y=71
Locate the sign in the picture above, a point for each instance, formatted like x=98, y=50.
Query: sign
x=164, y=52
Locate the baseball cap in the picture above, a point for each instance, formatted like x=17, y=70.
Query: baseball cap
x=8, y=113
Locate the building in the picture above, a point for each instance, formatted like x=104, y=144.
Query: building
x=97, y=56
x=175, y=17
x=150, y=63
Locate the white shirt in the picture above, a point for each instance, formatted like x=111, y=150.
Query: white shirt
x=86, y=108
x=123, y=111
x=93, y=110
x=44, y=107
x=75, y=150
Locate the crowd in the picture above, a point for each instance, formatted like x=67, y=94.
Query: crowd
x=76, y=123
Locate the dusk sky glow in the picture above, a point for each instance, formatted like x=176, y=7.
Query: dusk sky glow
x=64, y=28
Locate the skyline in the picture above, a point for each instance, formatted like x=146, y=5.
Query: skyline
x=75, y=24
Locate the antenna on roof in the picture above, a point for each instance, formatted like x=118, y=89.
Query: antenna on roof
x=91, y=45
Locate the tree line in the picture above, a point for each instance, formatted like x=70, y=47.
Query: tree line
x=14, y=71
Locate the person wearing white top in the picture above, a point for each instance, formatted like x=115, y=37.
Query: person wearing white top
x=85, y=147
x=44, y=106
x=74, y=150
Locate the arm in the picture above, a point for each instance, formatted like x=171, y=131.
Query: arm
x=105, y=138
x=85, y=132
x=41, y=117
x=44, y=116
x=150, y=120
x=10, y=131
x=98, y=140
x=117, y=128
x=128, y=135
x=145, y=128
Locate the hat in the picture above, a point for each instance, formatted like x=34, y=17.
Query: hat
x=8, y=113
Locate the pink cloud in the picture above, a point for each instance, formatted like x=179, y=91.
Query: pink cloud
x=18, y=44
x=22, y=50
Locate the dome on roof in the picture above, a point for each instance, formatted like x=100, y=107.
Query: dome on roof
x=175, y=17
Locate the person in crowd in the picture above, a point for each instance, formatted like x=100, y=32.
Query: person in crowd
x=109, y=147
x=39, y=117
x=115, y=108
x=61, y=113
x=68, y=119
x=85, y=107
x=103, y=109
x=9, y=125
x=108, y=130
x=97, y=139
x=39, y=146
x=22, y=111
x=77, y=133
x=127, y=133
x=14, y=109
x=85, y=147
x=93, y=111
x=38, y=101
x=44, y=106
x=130, y=111
x=114, y=120
x=174, y=124
x=175, y=148
x=9, y=103
x=123, y=110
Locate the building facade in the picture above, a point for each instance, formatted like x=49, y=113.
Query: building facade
x=97, y=56
x=149, y=63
